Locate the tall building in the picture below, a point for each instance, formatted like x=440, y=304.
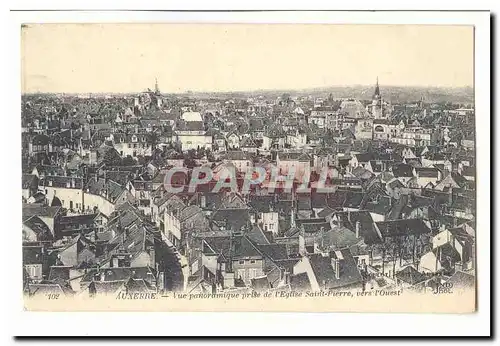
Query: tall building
x=157, y=88
x=377, y=103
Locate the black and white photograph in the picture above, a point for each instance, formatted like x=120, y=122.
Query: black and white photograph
x=239, y=166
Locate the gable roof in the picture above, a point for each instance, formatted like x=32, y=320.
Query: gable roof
x=410, y=275
x=325, y=272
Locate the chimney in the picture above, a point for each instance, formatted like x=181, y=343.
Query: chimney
x=336, y=267
x=102, y=276
x=358, y=224
x=286, y=277
x=292, y=217
x=115, y=262
x=203, y=201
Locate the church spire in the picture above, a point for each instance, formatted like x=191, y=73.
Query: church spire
x=377, y=90
x=157, y=88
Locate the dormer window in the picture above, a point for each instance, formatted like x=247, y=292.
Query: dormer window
x=134, y=138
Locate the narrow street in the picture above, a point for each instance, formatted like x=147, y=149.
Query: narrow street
x=171, y=263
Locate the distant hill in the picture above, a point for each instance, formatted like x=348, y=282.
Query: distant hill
x=394, y=94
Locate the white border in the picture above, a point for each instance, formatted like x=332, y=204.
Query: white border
x=153, y=324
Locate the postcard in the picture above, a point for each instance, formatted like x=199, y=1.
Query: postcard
x=248, y=167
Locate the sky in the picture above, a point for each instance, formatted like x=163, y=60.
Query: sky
x=100, y=58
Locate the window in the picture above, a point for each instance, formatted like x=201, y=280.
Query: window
x=130, y=145
x=240, y=274
x=241, y=261
x=252, y=261
x=252, y=274
x=33, y=271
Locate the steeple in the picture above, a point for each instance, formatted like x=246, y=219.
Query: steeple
x=377, y=90
x=157, y=89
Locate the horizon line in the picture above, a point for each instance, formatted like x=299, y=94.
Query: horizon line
x=305, y=89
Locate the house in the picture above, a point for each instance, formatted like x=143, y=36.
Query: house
x=409, y=277
x=273, y=138
x=296, y=138
x=78, y=251
x=132, y=144
x=267, y=215
x=460, y=241
x=29, y=186
x=336, y=270
x=181, y=222
x=230, y=259
x=105, y=154
x=363, y=128
x=49, y=215
x=452, y=180
x=360, y=224
x=468, y=173
x=241, y=160
x=219, y=141
x=323, y=158
x=63, y=191
x=426, y=175
x=319, y=117
x=256, y=128
x=72, y=225
x=191, y=134
x=298, y=162
x=441, y=258
x=34, y=259
x=39, y=144
x=379, y=166
x=233, y=141
x=104, y=195
x=403, y=172
x=362, y=160
x=111, y=281
x=248, y=145
x=44, y=290
x=35, y=230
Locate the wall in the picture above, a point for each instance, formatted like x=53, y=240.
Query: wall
x=270, y=220
x=104, y=206
x=248, y=270
x=304, y=266
x=65, y=195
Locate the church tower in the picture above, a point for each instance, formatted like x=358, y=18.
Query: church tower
x=157, y=88
x=377, y=103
